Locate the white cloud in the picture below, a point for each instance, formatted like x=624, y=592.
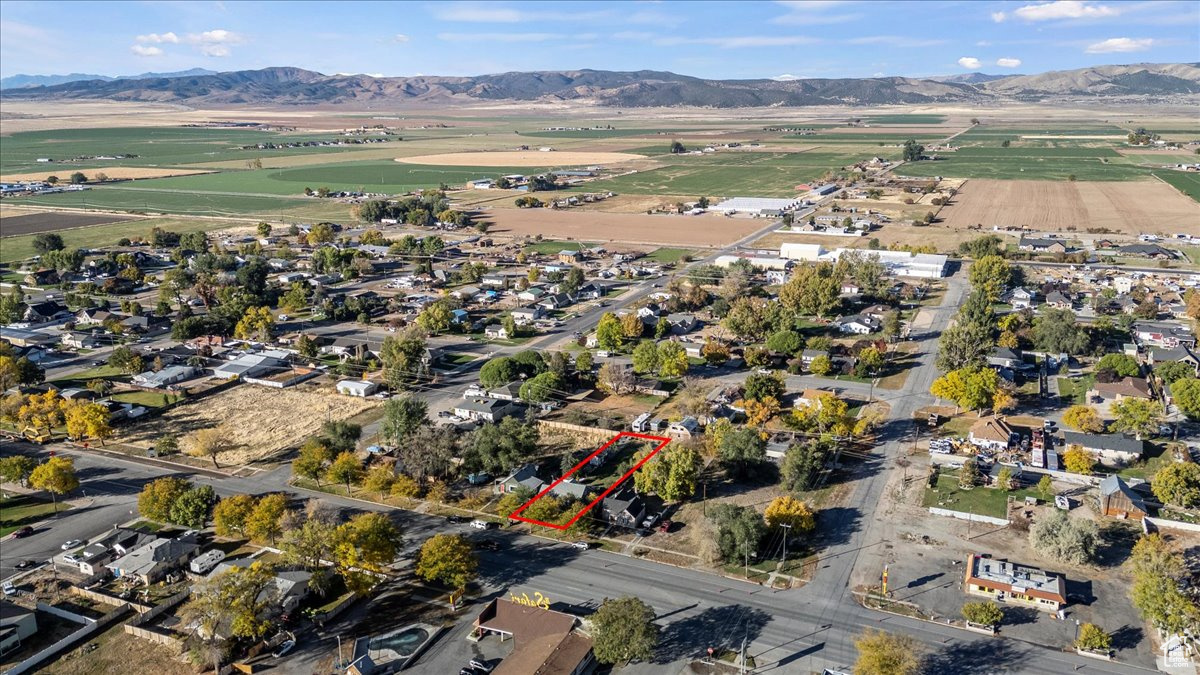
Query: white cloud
x=1121, y=44
x=738, y=42
x=143, y=50
x=399, y=38
x=1064, y=9
x=786, y=77
x=218, y=36
x=1008, y=63
x=802, y=13
x=215, y=51
x=159, y=38
x=999, y=17
x=502, y=37
x=970, y=63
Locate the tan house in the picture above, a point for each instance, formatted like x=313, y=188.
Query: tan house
x=1004, y=581
x=544, y=641
x=991, y=432
x=1127, y=387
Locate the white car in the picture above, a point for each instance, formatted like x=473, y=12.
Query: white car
x=9, y=589
x=70, y=544
x=71, y=558
x=480, y=524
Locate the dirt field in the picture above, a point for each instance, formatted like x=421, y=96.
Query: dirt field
x=113, y=173
x=1130, y=207
x=691, y=231
x=521, y=158
x=275, y=426
x=15, y=223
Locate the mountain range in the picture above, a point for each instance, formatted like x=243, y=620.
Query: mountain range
x=22, y=81
x=643, y=88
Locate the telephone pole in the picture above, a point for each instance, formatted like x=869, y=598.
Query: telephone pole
x=787, y=532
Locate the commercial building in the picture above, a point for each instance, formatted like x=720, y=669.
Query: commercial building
x=898, y=263
x=545, y=642
x=756, y=205
x=1004, y=581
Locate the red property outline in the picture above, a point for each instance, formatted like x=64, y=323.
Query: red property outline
x=662, y=444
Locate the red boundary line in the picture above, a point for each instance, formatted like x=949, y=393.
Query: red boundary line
x=662, y=444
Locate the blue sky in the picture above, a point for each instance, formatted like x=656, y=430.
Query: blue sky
x=706, y=39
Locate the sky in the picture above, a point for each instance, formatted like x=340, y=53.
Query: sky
x=736, y=40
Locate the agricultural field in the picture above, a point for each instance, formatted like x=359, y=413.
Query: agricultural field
x=1054, y=164
x=1128, y=207
x=110, y=172
x=525, y=158
x=663, y=230
x=20, y=247
x=15, y=222
x=911, y=118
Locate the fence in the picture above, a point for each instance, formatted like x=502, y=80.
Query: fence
x=91, y=627
x=134, y=627
x=1163, y=523
x=107, y=599
x=575, y=430
x=963, y=515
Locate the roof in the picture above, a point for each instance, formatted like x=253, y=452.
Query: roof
x=546, y=642
x=991, y=428
x=481, y=405
x=1016, y=578
x=1127, y=386
x=755, y=204
x=147, y=558
x=1113, y=484
x=1113, y=442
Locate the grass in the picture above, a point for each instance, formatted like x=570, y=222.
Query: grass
x=982, y=501
x=96, y=236
x=21, y=510
x=1075, y=389
x=553, y=246
x=148, y=399
x=1058, y=163
x=1156, y=457
x=669, y=255
x=1187, y=183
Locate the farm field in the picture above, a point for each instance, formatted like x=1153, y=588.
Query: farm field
x=175, y=201
x=690, y=231
x=1129, y=207
x=276, y=428
x=1054, y=164
x=21, y=247
x=909, y=118
x=112, y=172
x=14, y=222
x=524, y=158
x=1187, y=183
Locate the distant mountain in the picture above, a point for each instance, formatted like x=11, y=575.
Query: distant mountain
x=643, y=88
x=22, y=81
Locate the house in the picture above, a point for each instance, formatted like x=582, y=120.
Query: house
x=1126, y=387
x=42, y=278
x=1146, y=251
x=483, y=409
x=42, y=312
x=1004, y=581
x=1181, y=354
x=1057, y=300
x=809, y=355
x=681, y=322
x=524, y=316
x=78, y=340
x=685, y=428
x=991, y=432
x=623, y=509
x=17, y=624
x=459, y=316
x=1163, y=334
x=1117, y=500
x=569, y=257
x=569, y=489
x=556, y=301
x=1110, y=449
x=591, y=291
x=465, y=293
x=142, y=323
x=155, y=560
x=93, y=315
x=289, y=588
x=167, y=376
x=1041, y=245
x=1004, y=357
x=651, y=387
x=359, y=388
x=545, y=641
x=859, y=324
x=524, y=477
x=532, y=294
x=507, y=392
x=496, y=331
x=812, y=397
x=1022, y=298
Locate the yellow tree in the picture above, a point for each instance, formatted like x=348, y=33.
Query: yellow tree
x=88, y=419
x=257, y=322
x=447, y=559
x=632, y=326
x=1078, y=460
x=1083, y=418
x=882, y=653
x=789, y=511
x=210, y=443
x=42, y=411
x=759, y=412
x=56, y=476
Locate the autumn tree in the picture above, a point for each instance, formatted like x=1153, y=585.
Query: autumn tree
x=16, y=469
x=231, y=513
x=1178, y=484
x=1141, y=417
x=379, y=478
x=1078, y=460
x=1083, y=418
x=990, y=275
x=983, y=613
x=448, y=560
x=881, y=653
x=365, y=545
x=609, y=334
x=264, y=523
x=1065, y=539
x=969, y=388
x=671, y=474
x=787, y=511
x=346, y=469
x=1093, y=639
x=623, y=630
x=311, y=460
x=56, y=476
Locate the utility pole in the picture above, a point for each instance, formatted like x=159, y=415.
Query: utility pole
x=743, y=659
x=787, y=532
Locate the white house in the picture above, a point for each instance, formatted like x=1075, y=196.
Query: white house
x=360, y=388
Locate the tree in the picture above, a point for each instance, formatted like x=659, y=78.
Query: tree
x=210, y=442
x=448, y=560
x=308, y=546
x=16, y=469
x=790, y=512
x=365, y=544
x=615, y=379
x=264, y=523
x=88, y=419
x=379, y=478
x=714, y=352
x=340, y=435
x=78, y=178
x=230, y=515
x=1004, y=480
x=759, y=386
x=1066, y=539
x=882, y=653
x=346, y=469
x=256, y=323
x=645, y=357
x=1186, y=392
x=435, y=318
x=126, y=360
x=677, y=148
x=608, y=332
x=1078, y=460
x=964, y=345
x=1118, y=365
x=1173, y=371
x=623, y=630
x=870, y=360
x=311, y=460
x=321, y=233
x=158, y=497
x=785, y=342
x=56, y=476
x=1157, y=572
x=403, y=415
x=747, y=318
x=232, y=604
x=166, y=445
x=983, y=613
x=821, y=365
x=740, y=530
x=760, y=411
x=671, y=473
x=541, y=387
x=48, y=241
x=295, y=299
x=193, y=508
x=803, y=462
x=741, y=452
x=1141, y=417
x=406, y=487
x=672, y=359
x=1083, y=418
x=913, y=152
x=12, y=306
x=498, y=372
x=991, y=275
x=500, y=447
x=1045, y=488
x=970, y=388
x=968, y=475
x=1055, y=331
x=429, y=452
x=1093, y=639
x=584, y=363
x=403, y=357
x=1178, y=484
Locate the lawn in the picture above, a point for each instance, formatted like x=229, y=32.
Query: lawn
x=148, y=399
x=457, y=359
x=982, y=501
x=1156, y=458
x=553, y=246
x=669, y=255
x=21, y=510
x=1074, y=389
x=81, y=378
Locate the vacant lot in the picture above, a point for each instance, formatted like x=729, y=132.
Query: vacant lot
x=709, y=231
x=112, y=172
x=260, y=423
x=14, y=223
x=521, y=158
x=21, y=247
x=1130, y=207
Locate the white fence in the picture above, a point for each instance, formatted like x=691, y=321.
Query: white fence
x=963, y=515
x=1164, y=524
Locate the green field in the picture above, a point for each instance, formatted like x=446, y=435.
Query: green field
x=669, y=255
x=148, y=399
x=96, y=236
x=167, y=146
x=1187, y=183
x=913, y=118
x=984, y=501
x=1029, y=163
x=21, y=510
x=606, y=133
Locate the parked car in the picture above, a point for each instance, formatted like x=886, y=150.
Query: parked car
x=25, y=564
x=9, y=589
x=70, y=544
x=480, y=666
x=581, y=545
x=488, y=545
x=481, y=524
x=649, y=522
x=455, y=519
x=23, y=532
x=71, y=558
x=284, y=648
x=665, y=526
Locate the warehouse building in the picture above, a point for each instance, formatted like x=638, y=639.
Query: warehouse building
x=898, y=263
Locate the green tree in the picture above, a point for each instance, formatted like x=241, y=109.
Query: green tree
x=48, y=241
x=991, y=275
x=1178, y=484
x=1093, y=639
x=404, y=357
x=1065, y=539
x=803, y=462
x=340, y=435
x=785, y=342
x=16, y=469
x=541, y=387
x=402, y=416
x=158, y=497
x=435, y=317
x=1186, y=392
x=759, y=386
x=311, y=460
x=1055, y=331
x=1138, y=416
x=1118, y=365
x=964, y=345
x=193, y=508
x=346, y=469
x=448, y=560
x=882, y=653
x=672, y=359
x=264, y=523
x=983, y=613
x=230, y=515
x=498, y=372
x=609, y=334
x=913, y=152
x=56, y=476
x=645, y=357
x=740, y=531
x=821, y=365
x=624, y=630
x=1045, y=488
x=365, y=545
x=1173, y=371
x=741, y=452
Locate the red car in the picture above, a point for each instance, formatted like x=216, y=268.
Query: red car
x=23, y=532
